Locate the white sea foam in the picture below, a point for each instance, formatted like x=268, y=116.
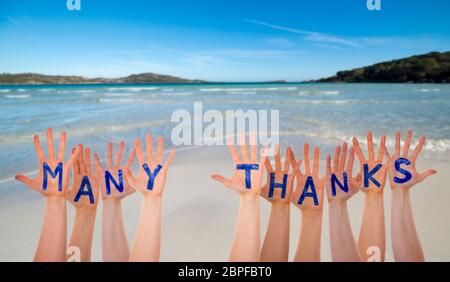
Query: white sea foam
x=18, y=96
x=118, y=94
x=4, y=90
x=132, y=89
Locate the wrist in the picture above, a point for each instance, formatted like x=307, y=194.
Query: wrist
x=86, y=212
x=312, y=213
x=337, y=204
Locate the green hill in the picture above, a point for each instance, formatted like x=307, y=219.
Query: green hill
x=35, y=78
x=433, y=67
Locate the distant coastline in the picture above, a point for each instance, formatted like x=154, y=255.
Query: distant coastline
x=433, y=67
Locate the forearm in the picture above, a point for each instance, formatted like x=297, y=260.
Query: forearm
x=146, y=246
x=308, y=248
x=372, y=233
x=276, y=242
x=343, y=244
x=405, y=240
x=83, y=231
x=53, y=239
x=246, y=243
x=114, y=239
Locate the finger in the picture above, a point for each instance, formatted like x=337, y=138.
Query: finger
x=243, y=148
x=328, y=165
x=24, y=179
x=233, y=151
x=287, y=159
x=351, y=159
x=76, y=167
x=225, y=181
x=109, y=155
x=381, y=149
x=170, y=158
x=387, y=156
x=80, y=159
x=370, y=145
x=149, y=147
x=38, y=148
x=131, y=158
x=88, y=161
x=50, y=144
x=139, y=154
x=307, y=159
x=120, y=154
x=398, y=136
x=159, y=154
x=424, y=175
x=268, y=166
x=343, y=157
x=419, y=147
x=358, y=150
x=72, y=158
x=253, y=147
x=62, y=147
x=407, y=143
x=277, y=159
x=337, y=153
x=316, y=168
x=264, y=157
x=98, y=163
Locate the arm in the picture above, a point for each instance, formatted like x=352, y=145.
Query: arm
x=372, y=232
x=308, y=249
x=343, y=245
x=84, y=180
x=405, y=240
x=276, y=242
x=83, y=231
x=150, y=181
x=147, y=243
x=52, y=242
x=308, y=197
x=53, y=238
x=246, y=241
x=115, y=247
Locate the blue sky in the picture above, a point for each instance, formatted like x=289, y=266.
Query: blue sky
x=216, y=40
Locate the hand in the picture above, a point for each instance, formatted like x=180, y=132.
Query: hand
x=52, y=161
x=114, y=170
x=82, y=167
x=238, y=181
x=142, y=182
x=279, y=175
x=371, y=162
x=319, y=183
x=338, y=170
x=416, y=177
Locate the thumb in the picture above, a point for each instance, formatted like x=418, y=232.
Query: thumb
x=424, y=175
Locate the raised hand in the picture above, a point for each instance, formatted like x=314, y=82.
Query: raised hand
x=84, y=191
x=117, y=171
x=151, y=177
x=240, y=182
x=405, y=158
x=338, y=169
x=309, y=192
x=373, y=170
x=44, y=183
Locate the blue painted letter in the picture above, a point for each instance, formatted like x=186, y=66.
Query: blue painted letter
x=58, y=171
x=151, y=175
x=81, y=191
x=335, y=180
x=109, y=178
x=369, y=175
x=406, y=173
x=274, y=185
x=309, y=183
x=247, y=168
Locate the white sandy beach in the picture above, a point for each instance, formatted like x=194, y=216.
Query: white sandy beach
x=199, y=214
